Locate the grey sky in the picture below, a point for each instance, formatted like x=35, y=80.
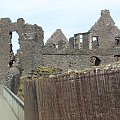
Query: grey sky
x=72, y=16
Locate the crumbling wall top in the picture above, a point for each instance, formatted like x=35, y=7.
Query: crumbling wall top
x=20, y=21
x=7, y=20
x=105, y=12
x=104, y=21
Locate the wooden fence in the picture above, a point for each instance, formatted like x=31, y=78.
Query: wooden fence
x=90, y=96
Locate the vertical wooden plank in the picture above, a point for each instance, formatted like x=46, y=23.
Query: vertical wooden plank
x=31, y=107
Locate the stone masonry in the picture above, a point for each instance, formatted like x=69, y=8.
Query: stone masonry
x=58, y=39
x=99, y=45
x=30, y=40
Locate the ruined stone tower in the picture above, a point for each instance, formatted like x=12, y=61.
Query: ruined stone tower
x=58, y=40
x=30, y=41
x=104, y=32
x=99, y=45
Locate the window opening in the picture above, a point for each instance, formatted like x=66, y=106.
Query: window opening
x=95, y=41
x=57, y=46
x=117, y=40
x=81, y=38
x=14, y=41
x=95, y=61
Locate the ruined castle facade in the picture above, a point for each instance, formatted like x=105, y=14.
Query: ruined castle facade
x=100, y=45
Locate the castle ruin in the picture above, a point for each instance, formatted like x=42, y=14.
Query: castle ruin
x=100, y=45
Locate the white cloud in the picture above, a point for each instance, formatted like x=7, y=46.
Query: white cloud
x=70, y=15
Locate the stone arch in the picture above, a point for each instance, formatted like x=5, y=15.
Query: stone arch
x=95, y=61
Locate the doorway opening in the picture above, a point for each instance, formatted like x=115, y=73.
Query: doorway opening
x=95, y=61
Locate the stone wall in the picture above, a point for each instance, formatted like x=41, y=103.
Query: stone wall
x=98, y=42
x=30, y=41
x=103, y=34
x=66, y=62
x=73, y=62
x=105, y=30
x=58, y=39
x=4, y=46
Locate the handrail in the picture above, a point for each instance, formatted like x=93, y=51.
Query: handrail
x=14, y=102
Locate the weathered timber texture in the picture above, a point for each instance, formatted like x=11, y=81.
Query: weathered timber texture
x=90, y=96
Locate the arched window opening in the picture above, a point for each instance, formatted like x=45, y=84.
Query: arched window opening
x=117, y=41
x=95, y=61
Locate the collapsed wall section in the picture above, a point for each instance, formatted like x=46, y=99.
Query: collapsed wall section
x=30, y=40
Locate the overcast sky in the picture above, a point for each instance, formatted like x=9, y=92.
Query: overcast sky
x=72, y=16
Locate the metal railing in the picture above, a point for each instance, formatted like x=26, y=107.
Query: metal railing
x=14, y=102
